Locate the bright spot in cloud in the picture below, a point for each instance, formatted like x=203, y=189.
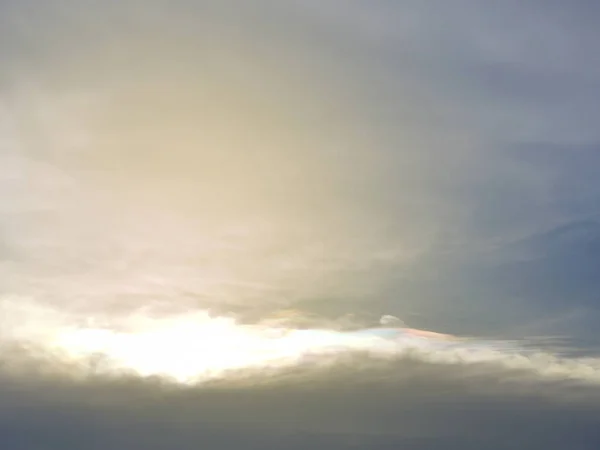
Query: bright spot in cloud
x=193, y=348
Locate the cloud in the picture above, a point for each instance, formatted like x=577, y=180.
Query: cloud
x=398, y=157
x=196, y=152
x=406, y=402
x=282, y=154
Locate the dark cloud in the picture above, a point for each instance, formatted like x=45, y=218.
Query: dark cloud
x=360, y=405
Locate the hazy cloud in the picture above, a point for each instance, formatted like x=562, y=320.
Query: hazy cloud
x=435, y=160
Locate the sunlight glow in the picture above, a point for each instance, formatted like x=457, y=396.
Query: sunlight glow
x=196, y=348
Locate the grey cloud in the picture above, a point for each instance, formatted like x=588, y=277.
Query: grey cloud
x=407, y=403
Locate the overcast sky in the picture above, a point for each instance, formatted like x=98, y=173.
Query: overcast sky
x=432, y=159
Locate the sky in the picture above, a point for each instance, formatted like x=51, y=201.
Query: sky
x=435, y=160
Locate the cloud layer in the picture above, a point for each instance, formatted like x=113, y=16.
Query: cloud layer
x=435, y=161
x=411, y=403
